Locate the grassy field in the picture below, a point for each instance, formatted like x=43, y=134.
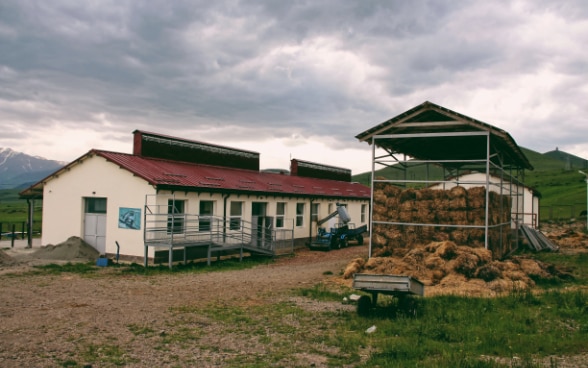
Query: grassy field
x=15, y=211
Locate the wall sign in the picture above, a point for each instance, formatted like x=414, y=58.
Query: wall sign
x=129, y=218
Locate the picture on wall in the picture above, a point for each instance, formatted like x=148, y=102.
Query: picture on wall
x=129, y=218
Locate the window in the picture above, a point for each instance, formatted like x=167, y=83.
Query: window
x=331, y=210
x=95, y=205
x=299, y=214
x=280, y=214
x=363, y=212
x=314, y=211
x=206, y=211
x=235, y=215
x=175, y=216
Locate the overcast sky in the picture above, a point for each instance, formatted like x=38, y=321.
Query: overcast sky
x=287, y=79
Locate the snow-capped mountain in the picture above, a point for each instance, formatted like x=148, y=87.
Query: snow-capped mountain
x=17, y=169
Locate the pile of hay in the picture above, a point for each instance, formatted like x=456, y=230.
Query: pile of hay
x=446, y=268
x=73, y=248
x=438, y=208
x=569, y=238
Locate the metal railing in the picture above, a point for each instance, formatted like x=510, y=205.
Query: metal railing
x=183, y=230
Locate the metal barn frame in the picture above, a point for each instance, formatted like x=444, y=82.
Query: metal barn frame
x=433, y=136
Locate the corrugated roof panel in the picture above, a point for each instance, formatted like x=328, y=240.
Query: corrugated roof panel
x=160, y=172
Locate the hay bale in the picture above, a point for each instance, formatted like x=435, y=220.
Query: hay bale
x=489, y=272
x=500, y=286
x=407, y=206
x=459, y=236
x=458, y=203
x=405, y=215
x=379, y=240
x=466, y=263
x=434, y=262
x=476, y=192
x=380, y=210
x=392, y=202
x=415, y=257
x=440, y=236
x=446, y=250
x=379, y=197
x=355, y=266
x=391, y=190
x=457, y=192
x=484, y=255
x=426, y=194
x=407, y=195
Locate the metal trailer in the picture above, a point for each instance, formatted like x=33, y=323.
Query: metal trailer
x=401, y=287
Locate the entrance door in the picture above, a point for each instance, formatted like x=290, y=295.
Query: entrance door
x=95, y=223
x=261, y=225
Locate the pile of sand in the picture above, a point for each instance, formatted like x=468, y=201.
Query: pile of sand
x=6, y=260
x=446, y=268
x=73, y=248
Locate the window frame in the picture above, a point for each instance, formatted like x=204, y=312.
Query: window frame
x=300, y=208
x=280, y=215
x=234, y=217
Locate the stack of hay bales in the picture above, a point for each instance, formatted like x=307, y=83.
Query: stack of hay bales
x=438, y=208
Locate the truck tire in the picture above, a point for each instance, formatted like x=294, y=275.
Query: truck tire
x=344, y=243
x=359, y=240
x=334, y=244
x=364, y=305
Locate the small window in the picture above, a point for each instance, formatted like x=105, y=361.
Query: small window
x=280, y=214
x=314, y=211
x=299, y=214
x=206, y=212
x=175, y=216
x=95, y=205
x=363, y=212
x=235, y=215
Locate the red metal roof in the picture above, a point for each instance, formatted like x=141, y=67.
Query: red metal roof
x=166, y=174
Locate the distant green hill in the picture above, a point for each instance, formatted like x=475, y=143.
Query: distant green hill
x=570, y=161
x=555, y=177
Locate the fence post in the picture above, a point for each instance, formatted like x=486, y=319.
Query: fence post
x=22, y=234
x=1, y=226
x=12, y=237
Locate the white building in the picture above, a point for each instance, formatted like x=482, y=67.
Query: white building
x=525, y=200
x=172, y=194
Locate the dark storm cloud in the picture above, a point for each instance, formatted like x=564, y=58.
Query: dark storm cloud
x=262, y=69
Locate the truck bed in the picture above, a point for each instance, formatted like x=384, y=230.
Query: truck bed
x=388, y=284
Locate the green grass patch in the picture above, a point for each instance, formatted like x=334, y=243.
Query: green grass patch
x=56, y=269
x=230, y=264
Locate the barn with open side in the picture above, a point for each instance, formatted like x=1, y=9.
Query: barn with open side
x=175, y=199
x=440, y=203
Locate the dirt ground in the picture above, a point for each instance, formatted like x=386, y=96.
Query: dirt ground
x=46, y=318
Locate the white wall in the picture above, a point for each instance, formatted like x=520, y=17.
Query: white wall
x=525, y=203
x=63, y=203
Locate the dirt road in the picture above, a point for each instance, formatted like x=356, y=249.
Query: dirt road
x=58, y=320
